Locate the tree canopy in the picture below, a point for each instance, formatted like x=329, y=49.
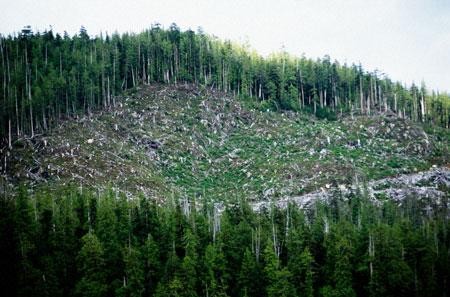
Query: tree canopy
x=46, y=77
x=56, y=245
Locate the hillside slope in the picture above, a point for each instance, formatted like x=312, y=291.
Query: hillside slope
x=162, y=139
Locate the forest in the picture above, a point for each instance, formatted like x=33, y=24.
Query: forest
x=75, y=242
x=88, y=123
x=47, y=77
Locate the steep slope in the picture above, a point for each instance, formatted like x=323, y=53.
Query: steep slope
x=162, y=139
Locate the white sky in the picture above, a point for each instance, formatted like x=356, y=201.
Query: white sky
x=407, y=39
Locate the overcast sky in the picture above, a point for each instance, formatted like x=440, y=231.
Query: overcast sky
x=407, y=39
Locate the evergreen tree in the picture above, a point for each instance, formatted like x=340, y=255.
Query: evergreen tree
x=152, y=265
x=305, y=276
x=389, y=250
x=133, y=284
x=250, y=280
x=91, y=265
x=279, y=279
x=215, y=274
x=339, y=259
x=108, y=232
x=46, y=77
x=9, y=256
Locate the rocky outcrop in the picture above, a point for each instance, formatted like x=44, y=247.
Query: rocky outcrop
x=433, y=185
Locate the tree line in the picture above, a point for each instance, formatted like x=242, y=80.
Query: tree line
x=74, y=242
x=46, y=77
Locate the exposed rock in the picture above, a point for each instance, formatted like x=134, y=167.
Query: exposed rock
x=396, y=188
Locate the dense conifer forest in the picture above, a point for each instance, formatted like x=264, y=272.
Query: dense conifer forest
x=172, y=163
x=46, y=77
x=80, y=243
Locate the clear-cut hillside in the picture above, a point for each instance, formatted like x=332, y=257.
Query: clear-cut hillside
x=162, y=139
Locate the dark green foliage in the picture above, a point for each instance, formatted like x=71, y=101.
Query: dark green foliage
x=46, y=77
x=108, y=232
x=133, y=285
x=366, y=250
x=279, y=279
x=91, y=267
x=152, y=264
x=250, y=277
x=215, y=275
x=8, y=247
x=326, y=113
x=301, y=266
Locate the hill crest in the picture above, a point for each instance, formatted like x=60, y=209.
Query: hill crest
x=196, y=141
